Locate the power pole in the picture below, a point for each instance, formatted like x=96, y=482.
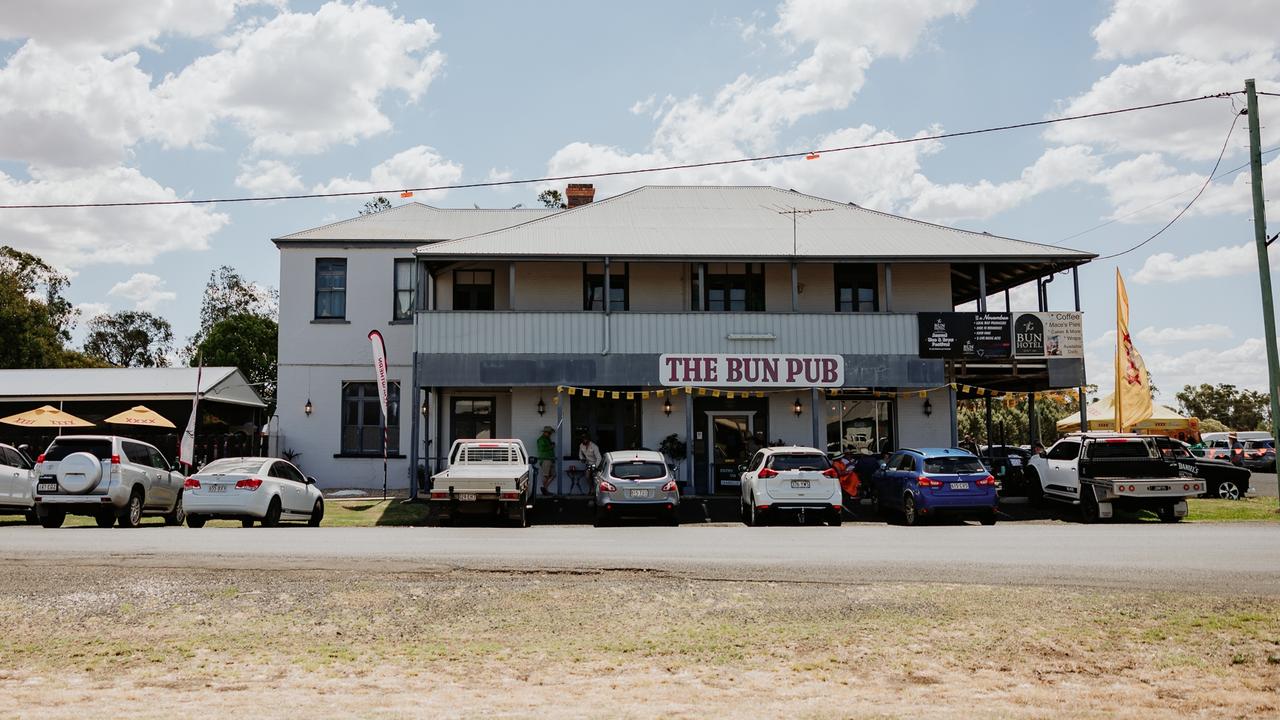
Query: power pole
x=1264, y=264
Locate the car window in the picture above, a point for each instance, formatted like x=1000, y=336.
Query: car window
x=10, y=457
x=798, y=461
x=137, y=454
x=1119, y=449
x=1067, y=450
x=952, y=465
x=233, y=466
x=638, y=470
x=280, y=470
x=292, y=473
x=158, y=459
x=756, y=461
x=906, y=462
x=61, y=448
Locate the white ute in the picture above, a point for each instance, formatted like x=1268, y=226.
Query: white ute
x=485, y=477
x=1101, y=472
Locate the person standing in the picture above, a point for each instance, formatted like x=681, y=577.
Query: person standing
x=546, y=458
x=589, y=453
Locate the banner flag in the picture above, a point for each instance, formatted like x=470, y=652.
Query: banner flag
x=380, y=372
x=1133, y=389
x=187, y=446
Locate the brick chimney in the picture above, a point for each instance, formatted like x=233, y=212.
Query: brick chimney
x=579, y=194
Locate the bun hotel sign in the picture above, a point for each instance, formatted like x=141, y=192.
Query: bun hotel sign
x=754, y=371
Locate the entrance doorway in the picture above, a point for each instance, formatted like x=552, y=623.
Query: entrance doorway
x=728, y=438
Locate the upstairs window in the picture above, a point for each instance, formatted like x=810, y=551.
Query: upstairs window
x=856, y=288
x=472, y=289
x=593, y=287
x=731, y=287
x=331, y=288
x=403, y=293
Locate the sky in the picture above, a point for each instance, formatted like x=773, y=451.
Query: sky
x=165, y=99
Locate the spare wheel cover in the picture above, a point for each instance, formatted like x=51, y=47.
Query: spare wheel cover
x=79, y=472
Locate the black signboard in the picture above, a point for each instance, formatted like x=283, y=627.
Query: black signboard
x=964, y=335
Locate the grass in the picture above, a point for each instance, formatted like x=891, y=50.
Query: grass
x=1255, y=509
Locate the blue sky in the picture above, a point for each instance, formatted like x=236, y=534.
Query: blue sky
x=152, y=99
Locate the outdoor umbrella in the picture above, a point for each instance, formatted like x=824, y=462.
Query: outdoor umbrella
x=47, y=416
x=139, y=415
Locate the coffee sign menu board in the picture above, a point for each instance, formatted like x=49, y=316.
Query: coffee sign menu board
x=965, y=335
x=1048, y=334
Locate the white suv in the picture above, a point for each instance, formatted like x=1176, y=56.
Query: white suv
x=790, y=480
x=16, y=481
x=111, y=479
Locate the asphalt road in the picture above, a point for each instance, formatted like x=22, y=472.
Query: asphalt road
x=1263, y=484
x=1220, y=558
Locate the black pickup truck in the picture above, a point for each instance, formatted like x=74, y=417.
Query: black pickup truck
x=1222, y=479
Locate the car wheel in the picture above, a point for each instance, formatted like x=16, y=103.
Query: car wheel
x=743, y=514
x=1035, y=491
x=272, y=518
x=909, y=514
x=317, y=514
x=1228, y=490
x=835, y=519
x=179, y=514
x=196, y=521
x=757, y=515
x=31, y=518
x=51, y=517
x=601, y=519
x=1089, y=512
x=1167, y=514
x=246, y=522
x=988, y=519
x=105, y=518
x=131, y=515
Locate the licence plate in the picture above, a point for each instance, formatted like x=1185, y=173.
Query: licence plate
x=47, y=487
x=799, y=484
x=642, y=493
x=217, y=488
x=1160, y=488
x=959, y=486
x=466, y=497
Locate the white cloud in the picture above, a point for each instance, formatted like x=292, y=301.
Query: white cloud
x=1244, y=365
x=146, y=291
x=299, y=82
x=1022, y=297
x=55, y=110
x=1192, y=333
x=1189, y=27
x=419, y=166
x=496, y=175
x=268, y=177
x=76, y=26
x=1055, y=168
x=1217, y=263
x=90, y=310
x=76, y=238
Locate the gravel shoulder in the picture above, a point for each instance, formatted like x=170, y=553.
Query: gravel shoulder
x=163, y=642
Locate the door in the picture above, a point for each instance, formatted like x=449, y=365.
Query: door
x=10, y=472
x=292, y=487
x=727, y=447
x=1063, y=465
x=168, y=483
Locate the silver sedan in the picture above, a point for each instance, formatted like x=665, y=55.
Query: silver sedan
x=635, y=483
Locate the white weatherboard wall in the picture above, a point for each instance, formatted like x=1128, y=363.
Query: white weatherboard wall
x=916, y=430
x=921, y=287
x=316, y=358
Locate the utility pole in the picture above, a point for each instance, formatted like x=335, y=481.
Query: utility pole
x=1264, y=264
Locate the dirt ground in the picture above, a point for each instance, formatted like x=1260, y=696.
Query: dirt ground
x=158, y=642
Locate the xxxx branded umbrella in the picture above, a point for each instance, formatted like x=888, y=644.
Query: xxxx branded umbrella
x=140, y=415
x=45, y=417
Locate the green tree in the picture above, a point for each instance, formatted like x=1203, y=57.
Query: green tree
x=35, y=318
x=249, y=342
x=227, y=294
x=130, y=338
x=1236, y=408
x=1209, y=425
x=375, y=205
x=552, y=199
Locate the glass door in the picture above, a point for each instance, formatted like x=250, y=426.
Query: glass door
x=727, y=446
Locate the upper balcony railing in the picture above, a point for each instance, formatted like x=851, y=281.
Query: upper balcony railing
x=581, y=333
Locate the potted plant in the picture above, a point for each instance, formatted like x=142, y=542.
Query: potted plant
x=675, y=449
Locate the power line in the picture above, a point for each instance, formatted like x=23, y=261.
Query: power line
x=1144, y=208
x=1187, y=207
x=810, y=154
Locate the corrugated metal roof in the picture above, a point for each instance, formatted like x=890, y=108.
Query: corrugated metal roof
x=737, y=222
x=418, y=222
x=220, y=384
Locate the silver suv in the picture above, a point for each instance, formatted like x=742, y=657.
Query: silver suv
x=109, y=478
x=16, y=482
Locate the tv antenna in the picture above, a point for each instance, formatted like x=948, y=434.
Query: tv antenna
x=795, y=214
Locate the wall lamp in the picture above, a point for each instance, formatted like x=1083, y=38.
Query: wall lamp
x=797, y=408
x=423, y=409
x=928, y=407
x=542, y=407
x=307, y=408
x=666, y=407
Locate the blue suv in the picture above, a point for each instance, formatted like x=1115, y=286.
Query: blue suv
x=924, y=483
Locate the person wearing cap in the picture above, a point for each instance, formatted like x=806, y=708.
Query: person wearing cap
x=546, y=458
x=589, y=452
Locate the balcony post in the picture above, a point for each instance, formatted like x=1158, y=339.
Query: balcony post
x=511, y=285
x=795, y=288
x=818, y=404
x=431, y=291
x=982, y=287
x=689, y=443
x=700, y=301
x=608, y=288
x=888, y=287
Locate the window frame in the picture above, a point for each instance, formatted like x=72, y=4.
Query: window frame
x=453, y=415
x=493, y=295
x=330, y=291
x=396, y=290
x=592, y=280
x=368, y=390
x=1074, y=456
x=851, y=276
x=751, y=279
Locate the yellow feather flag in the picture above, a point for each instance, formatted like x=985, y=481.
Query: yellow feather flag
x=1133, y=389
